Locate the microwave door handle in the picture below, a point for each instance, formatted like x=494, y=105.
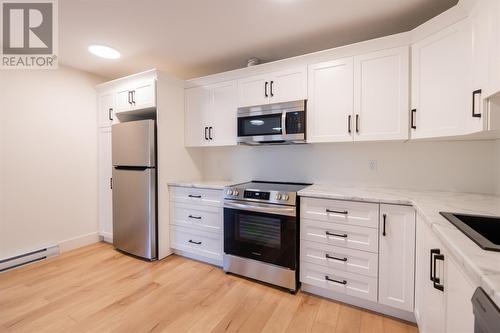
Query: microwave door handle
x=283, y=124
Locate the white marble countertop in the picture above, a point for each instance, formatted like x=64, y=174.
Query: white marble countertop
x=207, y=184
x=482, y=267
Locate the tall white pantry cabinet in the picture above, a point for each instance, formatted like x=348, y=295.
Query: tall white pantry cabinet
x=146, y=95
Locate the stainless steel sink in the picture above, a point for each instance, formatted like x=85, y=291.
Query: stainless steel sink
x=483, y=230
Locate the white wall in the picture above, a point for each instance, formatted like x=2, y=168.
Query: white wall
x=453, y=166
x=48, y=158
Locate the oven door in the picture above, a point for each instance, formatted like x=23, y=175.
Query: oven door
x=266, y=233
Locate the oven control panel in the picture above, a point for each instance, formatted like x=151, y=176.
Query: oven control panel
x=257, y=195
x=275, y=197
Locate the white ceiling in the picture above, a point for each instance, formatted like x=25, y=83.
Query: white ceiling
x=191, y=38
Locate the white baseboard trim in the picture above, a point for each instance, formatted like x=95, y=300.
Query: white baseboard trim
x=376, y=307
x=106, y=237
x=199, y=258
x=78, y=241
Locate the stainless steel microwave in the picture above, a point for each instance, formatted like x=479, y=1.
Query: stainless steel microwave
x=281, y=123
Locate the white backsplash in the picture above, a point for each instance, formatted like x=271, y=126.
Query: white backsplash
x=464, y=166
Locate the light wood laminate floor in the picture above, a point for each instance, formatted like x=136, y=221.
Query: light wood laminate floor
x=97, y=289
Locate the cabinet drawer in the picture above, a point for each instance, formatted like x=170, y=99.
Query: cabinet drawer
x=196, y=196
x=340, y=258
x=342, y=235
x=194, y=241
x=205, y=218
x=346, y=212
x=347, y=283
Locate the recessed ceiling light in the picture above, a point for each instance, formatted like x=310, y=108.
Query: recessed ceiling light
x=104, y=51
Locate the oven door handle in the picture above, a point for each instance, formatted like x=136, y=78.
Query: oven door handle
x=261, y=208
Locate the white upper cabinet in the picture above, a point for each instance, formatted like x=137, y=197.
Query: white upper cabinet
x=364, y=98
x=136, y=95
x=210, y=115
x=330, y=103
x=282, y=86
x=397, y=256
x=381, y=95
x=253, y=90
x=197, y=101
x=446, y=84
x=288, y=85
x=105, y=109
x=222, y=114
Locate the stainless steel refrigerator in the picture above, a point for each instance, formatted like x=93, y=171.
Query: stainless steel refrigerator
x=134, y=188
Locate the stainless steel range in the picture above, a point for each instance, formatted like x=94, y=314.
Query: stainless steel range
x=261, y=228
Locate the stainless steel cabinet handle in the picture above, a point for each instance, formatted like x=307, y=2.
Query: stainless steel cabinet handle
x=357, y=123
x=336, y=281
x=129, y=97
x=349, y=124
x=194, y=217
x=110, y=114
x=193, y=242
x=206, y=135
x=335, y=258
x=194, y=196
x=133, y=96
x=271, y=88
x=336, y=235
x=343, y=212
x=210, y=133
x=265, y=89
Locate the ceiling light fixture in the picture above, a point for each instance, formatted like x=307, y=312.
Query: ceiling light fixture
x=104, y=51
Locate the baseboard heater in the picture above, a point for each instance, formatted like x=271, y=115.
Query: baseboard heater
x=29, y=257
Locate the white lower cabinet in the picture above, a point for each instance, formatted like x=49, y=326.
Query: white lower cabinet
x=339, y=258
x=197, y=242
x=196, y=223
x=339, y=281
x=459, y=290
x=353, y=237
x=443, y=292
x=397, y=256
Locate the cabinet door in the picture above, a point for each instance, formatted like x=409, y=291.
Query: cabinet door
x=197, y=101
x=253, y=91
x=221, y=117
x=430, y=303
x=123, y=100
x=105, y=192
x=459, y=290
x=441, y=82
x=144, y=95
x=481, y=18
x=330, y=104
x=397, y=256
x=105, y=109
x=288, y=85
x=381, y=95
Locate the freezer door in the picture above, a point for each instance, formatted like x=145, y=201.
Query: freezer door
x=133, y=143
x=134, y=211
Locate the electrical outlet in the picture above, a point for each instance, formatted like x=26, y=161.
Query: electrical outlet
x=373, y=165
